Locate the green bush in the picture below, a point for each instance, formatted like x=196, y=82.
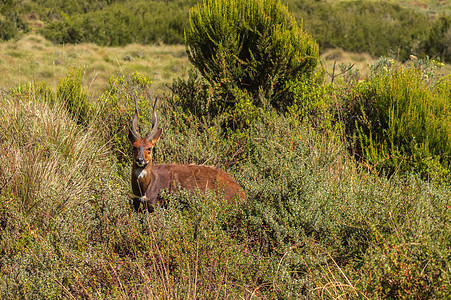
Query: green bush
x=255, y=46
x=312, y=100
x=438, y=40
x=196, y=96
x=313, y=224
x=379, y=28
x=402, y=121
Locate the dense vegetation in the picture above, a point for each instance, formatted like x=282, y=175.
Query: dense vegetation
x=313, y=225
x=347, y=186
x=379, y=28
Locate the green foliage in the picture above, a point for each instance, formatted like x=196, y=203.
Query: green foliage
x=255, y=46
x=196, y=96
x=377, y=27
x=122, y=23
x=380, y=28
x=313, y=225
x=45, y=155
x=311, y=100
x=402, y=120
x=398, y=268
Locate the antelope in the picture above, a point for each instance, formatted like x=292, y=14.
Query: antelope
x=148, y=179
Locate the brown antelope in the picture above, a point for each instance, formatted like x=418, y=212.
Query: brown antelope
x=148, y=180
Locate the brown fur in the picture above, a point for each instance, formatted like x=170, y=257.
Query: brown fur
x=190, y=177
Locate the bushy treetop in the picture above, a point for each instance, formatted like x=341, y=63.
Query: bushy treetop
x=254, y=45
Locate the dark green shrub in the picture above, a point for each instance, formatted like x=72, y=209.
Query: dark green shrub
x=438, y=41
x=196, y=96
x=402, y=121
x=380, y=28
x=7, y=29
x=11, y=21
x=255, y=46
x=312, y=100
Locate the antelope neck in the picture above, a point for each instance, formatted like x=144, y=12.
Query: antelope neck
x=143, y=177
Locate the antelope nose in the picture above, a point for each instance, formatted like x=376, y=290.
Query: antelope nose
x=140, y=161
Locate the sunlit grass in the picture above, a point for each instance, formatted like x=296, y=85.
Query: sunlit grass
x=33, y=58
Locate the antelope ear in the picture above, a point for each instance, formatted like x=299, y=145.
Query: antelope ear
x=154, y=136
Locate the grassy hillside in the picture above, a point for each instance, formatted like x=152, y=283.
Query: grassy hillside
x=35, y=59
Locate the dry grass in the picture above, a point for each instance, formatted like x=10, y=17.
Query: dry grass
x=33, y=58
x=361, y=61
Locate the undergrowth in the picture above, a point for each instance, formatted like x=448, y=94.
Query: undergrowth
x=313, y=225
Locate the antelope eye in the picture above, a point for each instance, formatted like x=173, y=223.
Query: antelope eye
x=149, y=149
x=134, y=148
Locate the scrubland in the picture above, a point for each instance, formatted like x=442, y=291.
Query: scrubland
x=316, y=223
x=346, y=167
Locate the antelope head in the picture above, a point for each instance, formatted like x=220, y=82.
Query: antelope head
x=142, y=147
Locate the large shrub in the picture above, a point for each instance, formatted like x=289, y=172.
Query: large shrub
x=255, y=46
x=438, y=41
x=70, y=92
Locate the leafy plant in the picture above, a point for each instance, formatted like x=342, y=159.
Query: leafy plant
x=121, y=23
x=379, y=28
x=438, y=40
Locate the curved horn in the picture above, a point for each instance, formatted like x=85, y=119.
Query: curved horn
x=154, y=121
x=135, y=121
